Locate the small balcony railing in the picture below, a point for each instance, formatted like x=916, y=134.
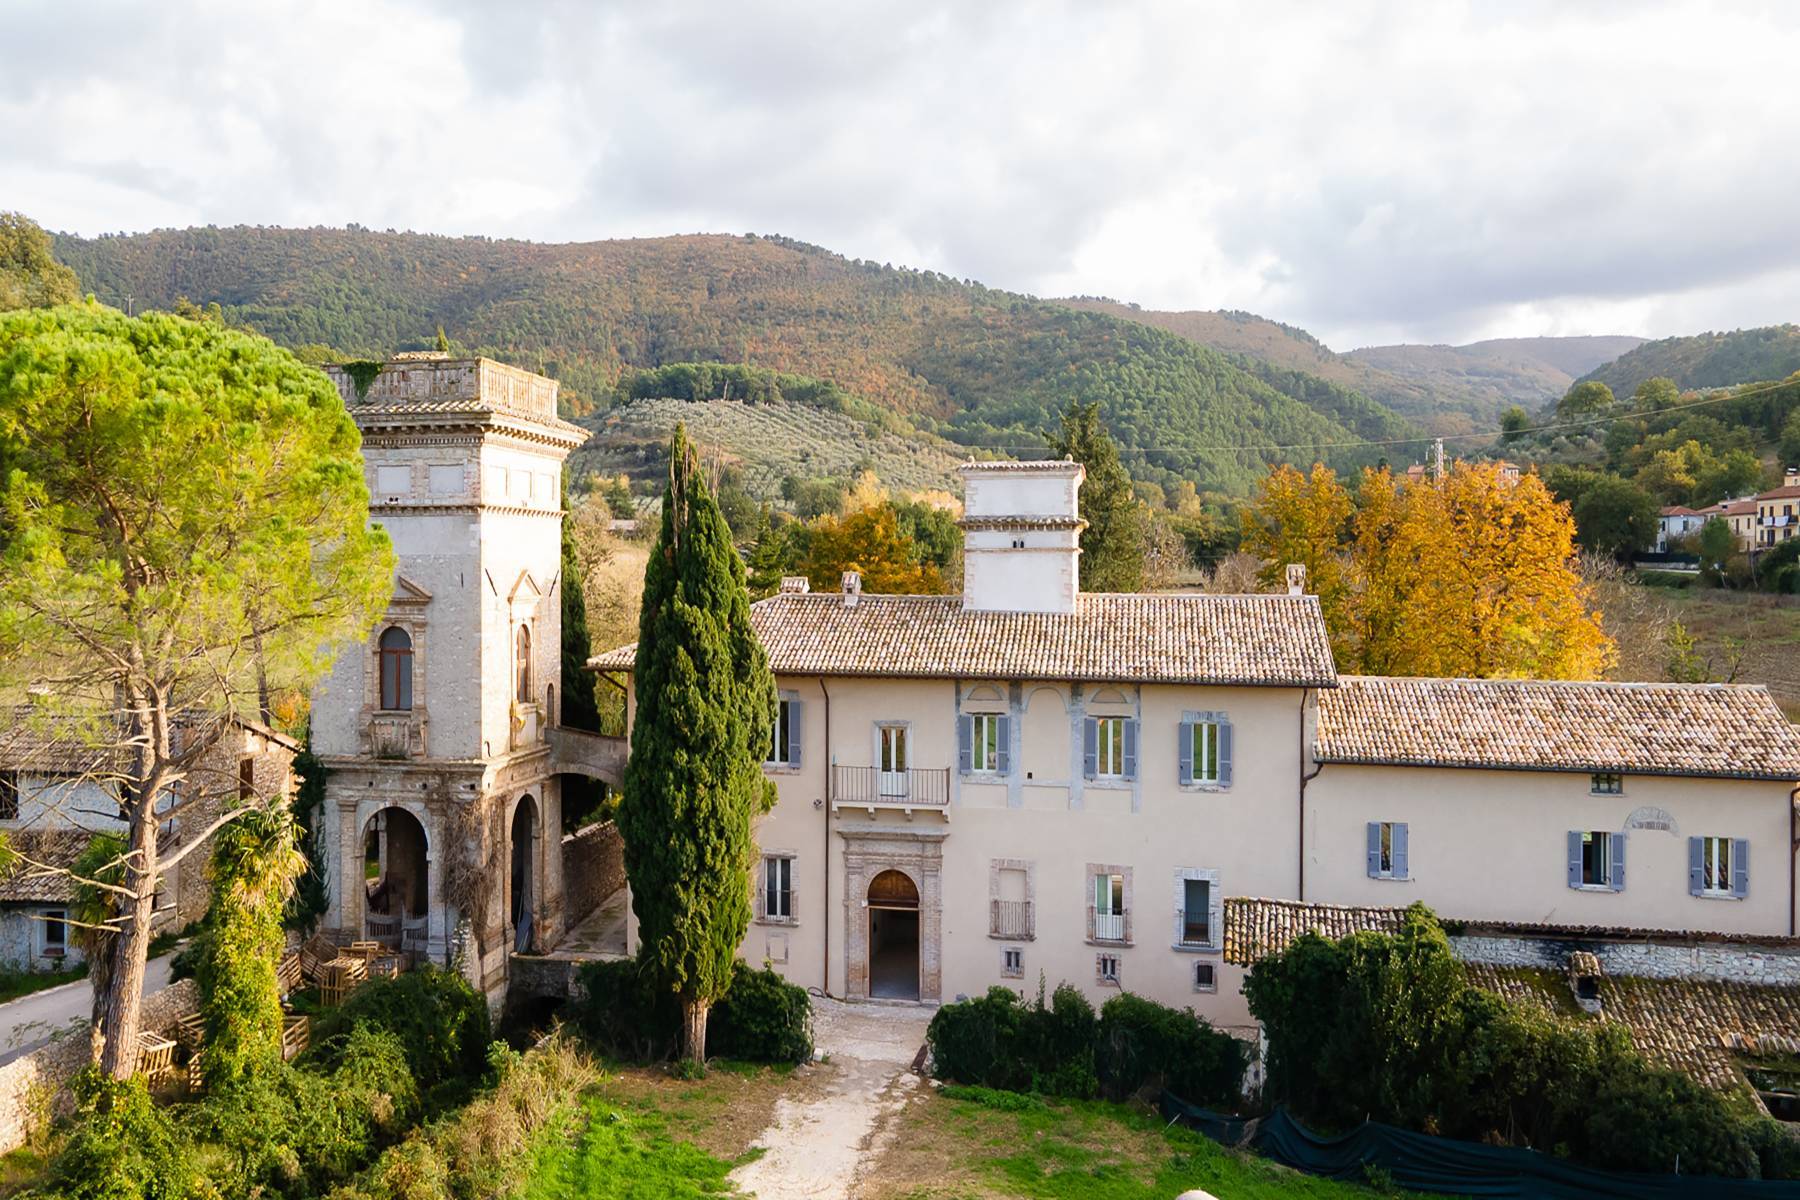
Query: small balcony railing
x=1011, y=919
x=873, y=788
x=1108, y=927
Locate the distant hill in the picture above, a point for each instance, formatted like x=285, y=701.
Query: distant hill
x=1446, y=389
x=980, y=367
x=1706, y=360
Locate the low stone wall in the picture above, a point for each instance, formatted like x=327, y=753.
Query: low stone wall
x=593, y=869
x=33, y=1086
x=1727, y=962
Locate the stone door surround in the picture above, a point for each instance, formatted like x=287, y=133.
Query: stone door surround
x=919, y=855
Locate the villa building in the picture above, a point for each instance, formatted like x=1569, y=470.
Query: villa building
x=1028, y=781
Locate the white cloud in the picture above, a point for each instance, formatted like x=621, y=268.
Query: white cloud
x=1431, y=171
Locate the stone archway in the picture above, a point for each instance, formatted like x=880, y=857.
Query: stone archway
x=893, y=902
x=396, y=878
x=522, y=881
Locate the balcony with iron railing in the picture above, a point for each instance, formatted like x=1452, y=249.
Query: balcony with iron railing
x=1012, y=920
x=872, y=788
x=1109, y=927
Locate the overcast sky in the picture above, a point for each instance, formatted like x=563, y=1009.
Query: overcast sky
x=1398, y=172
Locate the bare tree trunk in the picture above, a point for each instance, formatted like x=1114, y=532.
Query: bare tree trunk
x=693, y=1029
x=131, y=947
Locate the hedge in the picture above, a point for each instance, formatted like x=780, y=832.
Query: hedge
x=761, y=1017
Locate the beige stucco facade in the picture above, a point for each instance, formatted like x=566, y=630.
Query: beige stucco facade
x=1492, y=845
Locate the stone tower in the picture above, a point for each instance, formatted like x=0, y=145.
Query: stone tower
x=443, y=814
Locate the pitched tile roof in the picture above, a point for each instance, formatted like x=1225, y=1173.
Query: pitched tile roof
x=1698, y=1027
x=44, y=744
x=40, y=881
x=1256, y=928
x=1251, y=640
x=1542, y=725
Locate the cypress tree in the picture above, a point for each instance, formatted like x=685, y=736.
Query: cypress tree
x=580, y=709
x=1112, y=545
x=694, y=781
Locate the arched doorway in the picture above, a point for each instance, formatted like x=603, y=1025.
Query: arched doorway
x=523, y=839
x=893, y=937
x=396, y=879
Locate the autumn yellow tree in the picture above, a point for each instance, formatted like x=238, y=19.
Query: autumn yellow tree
x=1468, y=575
x=869, y=541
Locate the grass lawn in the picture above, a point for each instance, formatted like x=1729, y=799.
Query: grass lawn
x=969, y=1144
x=14, y=984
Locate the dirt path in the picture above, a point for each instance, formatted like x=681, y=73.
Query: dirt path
x=816, y=1147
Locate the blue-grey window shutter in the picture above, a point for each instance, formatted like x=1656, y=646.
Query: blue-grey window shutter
x=1740, y=867
x=1575, y=858
x=796, y=738
x=1090, y=748
x=1374, y=849
x=1187, y=753
x=1618, y=861
x=1003, y=752
x=1131, y=748
x=1696, y=866
x=965, y=738
x=1224, y=752
x=1400, y=851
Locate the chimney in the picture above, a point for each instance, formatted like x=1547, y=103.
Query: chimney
x=1296, y=579
x=795, y=585
x=852, y=588
x=1584, y=979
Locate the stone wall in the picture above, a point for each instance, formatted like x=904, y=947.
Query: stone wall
x=1726, y=961
x=593, y=869
x=33, y=1085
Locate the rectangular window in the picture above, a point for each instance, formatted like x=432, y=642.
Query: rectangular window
x=1607, y=783
x=984, y=735
x=1596, y=859
x=9, y=796
x=1196, y=912
x=1109, y=747
x=1012, y=962
x=1206, y=977
x=1106, y=968
x=1109, y=908
x=893, y=778
x=1387, y=850
x=778, y=888
x=56, y=932
x=1204, y=737
x=446, y=480
x=784, y=738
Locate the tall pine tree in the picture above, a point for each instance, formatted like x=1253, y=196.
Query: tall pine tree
x=694, y=782
x=1112, y=545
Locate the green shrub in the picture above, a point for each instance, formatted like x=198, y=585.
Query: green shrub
x=441, y=1022
x=762, y=1018
x=999, y=1041
x=122, y=1147
x=1143, y=1042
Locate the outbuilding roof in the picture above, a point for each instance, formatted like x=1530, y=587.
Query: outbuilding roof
x=1256, y=928
x=1722, y=730
x=1276, y=640
x=44, y=879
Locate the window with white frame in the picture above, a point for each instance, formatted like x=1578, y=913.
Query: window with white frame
x=1012, y=962
x=1109, y=748
x=1597, y=860
x=784, y=736
x=1198, y=909
x=986, y=741
x=778, y=887
x=1387, y=850
x=1107, y=915
x=1719, y=867
x=1106, y=968
x=1606, y=783
x=1206, y=977
x=1204, y=744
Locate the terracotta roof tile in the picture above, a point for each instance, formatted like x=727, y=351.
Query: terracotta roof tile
x=49, y=849
x=1256, y=928
x=1642, y=728
x=1249, y=640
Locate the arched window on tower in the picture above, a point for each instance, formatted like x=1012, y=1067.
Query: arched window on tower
x=396, y=669
x=522, y=664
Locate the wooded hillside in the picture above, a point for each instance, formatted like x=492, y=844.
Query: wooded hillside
x=1707, y=360
x=978, y=366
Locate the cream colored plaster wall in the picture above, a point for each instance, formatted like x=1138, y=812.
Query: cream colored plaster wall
x=1493, y=845
x=1048, y=817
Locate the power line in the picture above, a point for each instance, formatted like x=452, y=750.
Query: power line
x=1423, y=439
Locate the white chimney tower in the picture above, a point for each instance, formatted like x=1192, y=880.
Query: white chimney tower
x=1021, y=535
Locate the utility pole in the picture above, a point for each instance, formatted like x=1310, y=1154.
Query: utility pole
x=1437, y=459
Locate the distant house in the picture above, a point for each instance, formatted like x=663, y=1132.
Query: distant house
x=1676, y=521
x=1778, y=512
x=1741, y=516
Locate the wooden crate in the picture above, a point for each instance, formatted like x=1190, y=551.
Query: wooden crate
x=342, y=976
x=288, y=972
x=190, y=1031
x=296, y=1033
x=156, y=1058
